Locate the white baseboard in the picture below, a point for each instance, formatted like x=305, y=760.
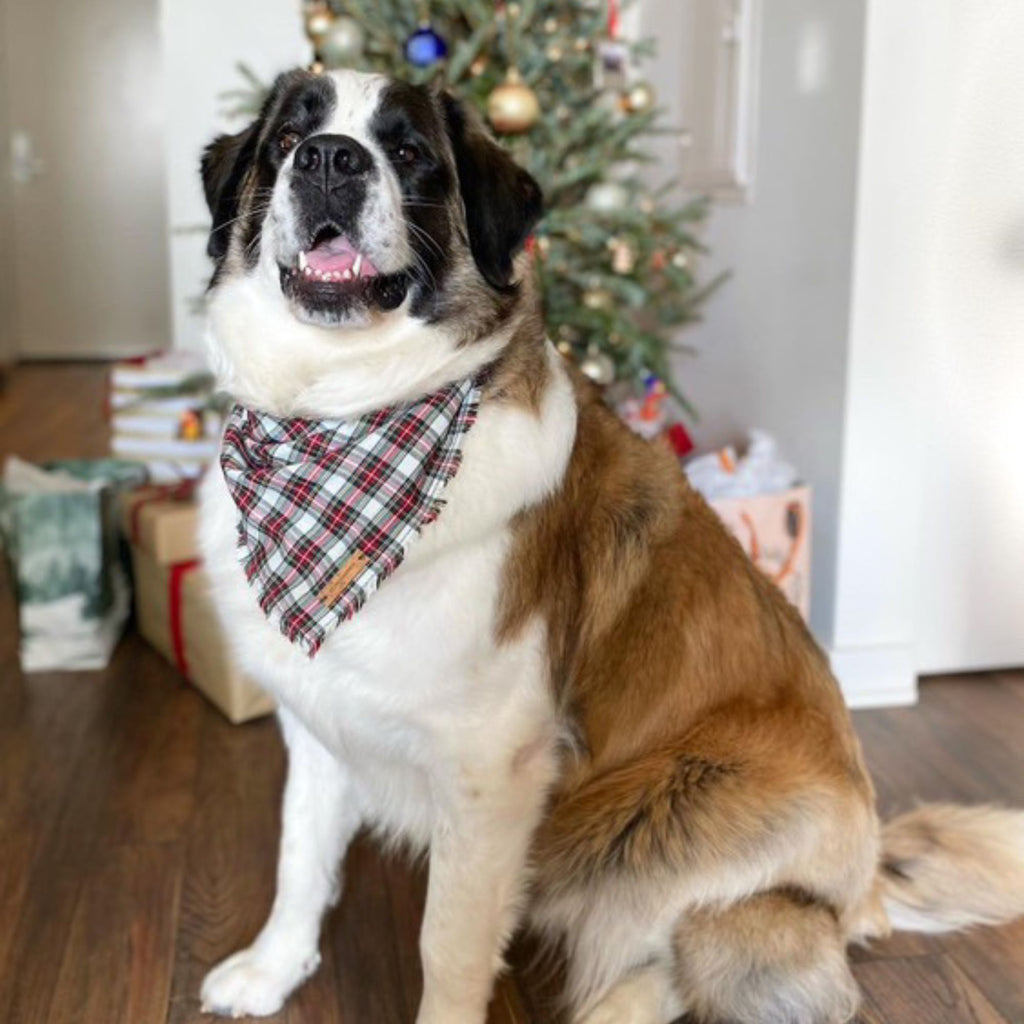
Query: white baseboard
x=876, y=677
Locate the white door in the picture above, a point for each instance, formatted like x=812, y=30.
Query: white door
x=84, y=177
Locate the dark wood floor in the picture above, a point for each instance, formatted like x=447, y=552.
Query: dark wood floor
x=138, y=830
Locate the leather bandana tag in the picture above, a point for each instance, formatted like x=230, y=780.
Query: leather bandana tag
x=327, y=509
x=342, y=578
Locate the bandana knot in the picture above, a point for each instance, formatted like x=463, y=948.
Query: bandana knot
x=327, y=509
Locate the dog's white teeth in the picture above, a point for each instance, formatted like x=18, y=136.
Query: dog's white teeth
x=302, y=261
x=346, y=274
x=357, y=267
x=307, y=271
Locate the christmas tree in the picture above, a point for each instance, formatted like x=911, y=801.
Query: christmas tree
x=561, y=90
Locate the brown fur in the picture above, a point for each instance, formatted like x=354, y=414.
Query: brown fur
x=770, y=959
x=709, y=741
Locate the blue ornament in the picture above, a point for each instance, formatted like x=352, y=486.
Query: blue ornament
x=425, y=47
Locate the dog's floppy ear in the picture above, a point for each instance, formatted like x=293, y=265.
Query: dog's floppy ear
x=224, y=163
x=502, y=201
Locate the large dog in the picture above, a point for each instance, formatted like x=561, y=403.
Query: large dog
x=574, y=690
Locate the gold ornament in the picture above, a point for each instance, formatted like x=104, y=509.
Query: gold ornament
x=598, y=367
x=316, y=68
x=639, y=98
x=514, y=10
x=564, y=349
x=623, y=256
x=680, y=260
x=478, y=67
x=582, y=44
x=543, y=246
x=554, y=53
x=512, y=107
x=551, y=25
x=598, y=299
x=319, y=19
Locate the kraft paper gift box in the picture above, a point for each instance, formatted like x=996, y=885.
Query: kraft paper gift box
x=173, y=604
x=163, y=521
x=775, y=531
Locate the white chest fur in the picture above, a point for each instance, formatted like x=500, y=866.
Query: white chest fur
x=413, y=694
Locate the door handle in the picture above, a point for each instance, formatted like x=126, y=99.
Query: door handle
x=25, y=165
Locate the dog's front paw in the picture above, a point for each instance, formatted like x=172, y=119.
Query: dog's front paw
x=253, y=983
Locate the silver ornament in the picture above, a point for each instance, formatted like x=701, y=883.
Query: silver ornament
x=342, y=42
x=607, y=196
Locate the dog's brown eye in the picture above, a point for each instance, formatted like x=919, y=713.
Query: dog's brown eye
x=406, y=154
x=287, y=141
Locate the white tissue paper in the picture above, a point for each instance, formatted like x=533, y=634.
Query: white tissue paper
x=759, y=471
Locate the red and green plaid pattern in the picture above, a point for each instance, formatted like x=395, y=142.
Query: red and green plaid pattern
x=328, y=508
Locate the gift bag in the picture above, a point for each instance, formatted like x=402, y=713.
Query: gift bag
x=775, y=531
x=58, y=525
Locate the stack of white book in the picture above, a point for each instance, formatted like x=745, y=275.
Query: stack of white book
x=160, y=414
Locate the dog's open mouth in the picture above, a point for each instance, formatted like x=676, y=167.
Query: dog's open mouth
x=332, y=275
x=333, y=258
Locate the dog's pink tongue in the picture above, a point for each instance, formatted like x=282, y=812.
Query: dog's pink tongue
x=337, y=255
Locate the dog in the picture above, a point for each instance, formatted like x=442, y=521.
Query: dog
x=569, y=685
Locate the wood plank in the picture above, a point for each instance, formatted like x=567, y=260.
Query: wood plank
x=923, y=988
x=231, y=852
x=119, y=951
x=364, y=937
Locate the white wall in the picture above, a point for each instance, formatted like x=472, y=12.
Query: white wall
x=931, y=532
x=203, y=41
x=772, y=348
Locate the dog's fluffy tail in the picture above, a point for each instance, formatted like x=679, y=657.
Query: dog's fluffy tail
x=945, y=867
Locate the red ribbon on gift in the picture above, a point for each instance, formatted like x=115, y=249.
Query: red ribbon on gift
x=183, y=491
x=174, y=587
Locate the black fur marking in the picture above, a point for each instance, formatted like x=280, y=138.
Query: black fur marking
x=245, y=165
x=407, y=115
x=502, y=201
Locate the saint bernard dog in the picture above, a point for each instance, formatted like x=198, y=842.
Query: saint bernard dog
x=572, y=690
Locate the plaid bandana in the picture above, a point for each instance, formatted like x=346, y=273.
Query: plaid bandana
x=328, y=508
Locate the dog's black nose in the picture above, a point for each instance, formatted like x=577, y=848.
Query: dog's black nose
x=333, y=154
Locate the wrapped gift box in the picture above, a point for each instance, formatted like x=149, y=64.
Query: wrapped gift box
x=775, y=531
x=173, y=604
x=58, y=524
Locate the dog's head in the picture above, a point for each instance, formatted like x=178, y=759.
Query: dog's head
x=353, y=205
